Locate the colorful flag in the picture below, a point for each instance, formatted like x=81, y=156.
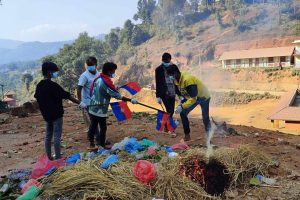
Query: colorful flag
x=132, y=87
x=164, y=119
x=121, y=110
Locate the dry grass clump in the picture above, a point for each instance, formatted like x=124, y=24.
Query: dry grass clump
x=171, y=185
x=86, y=179
x=243, y=163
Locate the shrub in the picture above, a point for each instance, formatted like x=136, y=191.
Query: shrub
x=177, y=54
x=295, y=72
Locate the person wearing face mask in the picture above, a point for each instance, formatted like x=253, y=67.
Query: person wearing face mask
x=195, y=93
x=49, y=96
x=85, y=82
x=102, y=91
x=165, y=88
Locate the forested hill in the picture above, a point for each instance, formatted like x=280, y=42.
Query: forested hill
x=192, y=30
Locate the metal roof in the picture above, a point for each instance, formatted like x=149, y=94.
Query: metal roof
x=284, y=110
x=258, y=53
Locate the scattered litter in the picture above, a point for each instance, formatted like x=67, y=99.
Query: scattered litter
x=151, y=151
x=180, y=146
x=30, y=194
x=4, y=188
x=133, y=146
x=31, y=182
x=172, y=154
x=112, y=159
x=139, y=156
x=50, y=171
x=120, y=145
x=73, y=158
x=148, y=143
x=269, y=181
x=144, y=171
x=188, y=173
x=43, y=165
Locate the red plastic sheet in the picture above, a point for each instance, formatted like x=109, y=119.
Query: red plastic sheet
x=144, y=171
x=43, y=165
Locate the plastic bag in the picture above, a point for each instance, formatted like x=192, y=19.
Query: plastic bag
x=120, y=145
x=103, y=151
x=144, y=171
x=133, y=146
x=169, y=149
x=30, y=194
x=43, y=165
x=72, y=159
x=50, y=171
x=112, y=159
x=172, y=154
x=180, y=146
x=31, y=182
x=151, y=151
x=147, y=143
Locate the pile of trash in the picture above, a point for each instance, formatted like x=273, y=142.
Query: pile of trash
x=134, y=169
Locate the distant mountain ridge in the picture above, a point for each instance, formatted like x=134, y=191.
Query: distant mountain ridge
x=16, y=51
x=12, y=51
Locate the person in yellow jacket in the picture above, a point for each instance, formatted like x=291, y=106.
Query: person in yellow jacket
x=194, y=93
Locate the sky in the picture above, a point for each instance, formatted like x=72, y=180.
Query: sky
x=58, y=20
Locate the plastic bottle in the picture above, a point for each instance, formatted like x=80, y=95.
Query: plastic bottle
x=139, y=156
x=269, y=181
x=172, y=154
x=30, y=194
x=31, y=182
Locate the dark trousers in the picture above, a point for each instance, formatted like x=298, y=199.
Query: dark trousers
x=169, y=103
x=100, y=137
x=53, y=130
x=204, y=104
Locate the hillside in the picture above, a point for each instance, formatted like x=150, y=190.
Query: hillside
x=202, y=43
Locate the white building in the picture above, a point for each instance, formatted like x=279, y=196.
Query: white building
x=268, y=57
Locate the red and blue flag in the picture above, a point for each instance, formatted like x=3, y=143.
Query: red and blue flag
x=164, y=119
x=121, y=110
x=132, y=87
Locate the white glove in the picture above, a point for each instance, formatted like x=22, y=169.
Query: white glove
x=82, y=105
x=158, y=100
x=134, y=101
x=181, y=98
x=178, y=109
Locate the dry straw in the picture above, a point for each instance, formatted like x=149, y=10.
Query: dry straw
x=87, y=181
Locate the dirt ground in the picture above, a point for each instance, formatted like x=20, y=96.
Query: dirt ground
x=22, y=141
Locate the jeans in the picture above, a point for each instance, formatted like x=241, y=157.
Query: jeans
x=100, y=137
x=53, y=129
x=204, y=104
x=169, y=103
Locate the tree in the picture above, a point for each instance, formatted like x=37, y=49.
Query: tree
x=71, y=58
x=113, y=42
x=145, y=10
x=195, y=5
x=172, y=7
x=138, y=36
x=126, y=33
x=27, y=79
